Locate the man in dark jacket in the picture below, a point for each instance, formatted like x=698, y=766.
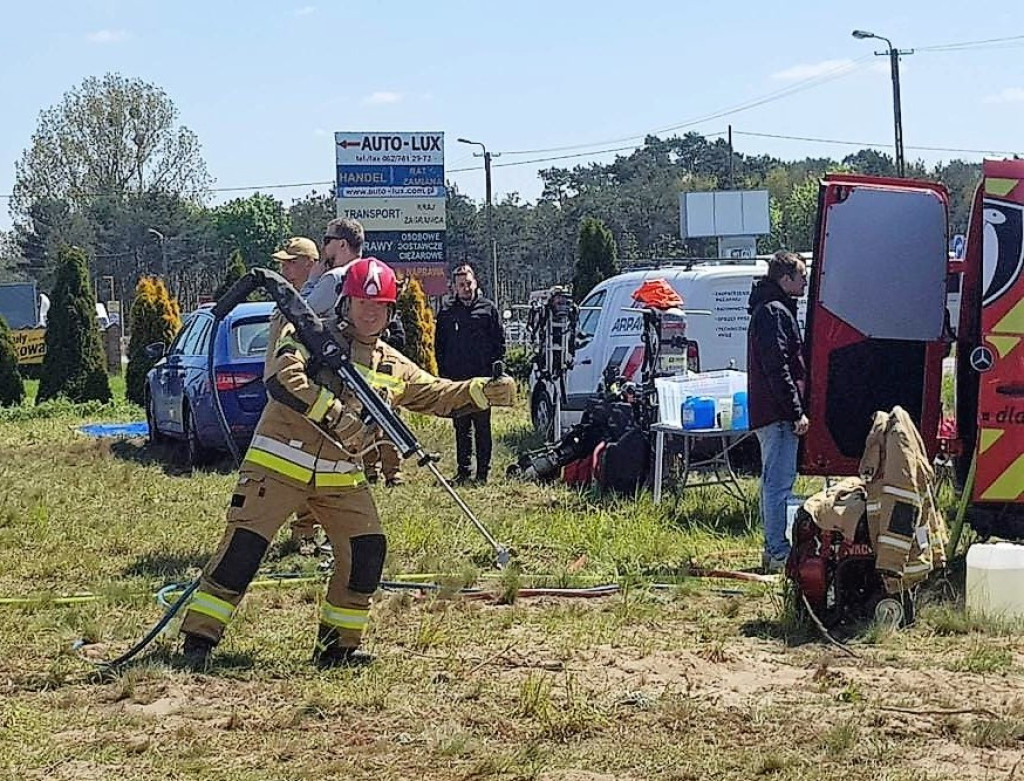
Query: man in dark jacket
x=469, y=340
x=775, y=385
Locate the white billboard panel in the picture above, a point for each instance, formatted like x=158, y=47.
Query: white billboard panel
x=724, y=213
x=395, y=214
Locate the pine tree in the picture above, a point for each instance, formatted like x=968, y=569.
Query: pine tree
x=420, y=327
x=235, y=271
x=155, y=317
x=12, y=389
x=596, y=257
x=73, y=366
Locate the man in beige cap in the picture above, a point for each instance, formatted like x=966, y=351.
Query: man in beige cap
x=298, y=258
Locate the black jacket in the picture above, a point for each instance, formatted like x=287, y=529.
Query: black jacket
x=394, y=334
x=469, y=338
x=775, y=360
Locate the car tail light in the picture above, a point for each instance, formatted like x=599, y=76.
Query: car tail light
x=229, y=381
x=692, y=356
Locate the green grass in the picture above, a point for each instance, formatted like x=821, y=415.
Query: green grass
x=705, y=679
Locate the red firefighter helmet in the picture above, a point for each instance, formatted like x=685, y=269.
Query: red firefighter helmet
x=372, y=279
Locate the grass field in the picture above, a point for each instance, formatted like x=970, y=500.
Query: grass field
x=702, y=679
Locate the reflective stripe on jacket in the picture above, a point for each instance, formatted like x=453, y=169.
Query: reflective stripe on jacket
x=907, y=530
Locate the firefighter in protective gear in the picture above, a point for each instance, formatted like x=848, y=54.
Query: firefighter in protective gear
x=307, y=449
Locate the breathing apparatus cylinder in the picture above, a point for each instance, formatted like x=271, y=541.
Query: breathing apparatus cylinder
x=560, y=332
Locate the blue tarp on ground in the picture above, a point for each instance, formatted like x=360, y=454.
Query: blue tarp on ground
x=139, y=429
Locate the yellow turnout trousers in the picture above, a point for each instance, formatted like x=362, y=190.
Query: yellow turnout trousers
x=260, y=505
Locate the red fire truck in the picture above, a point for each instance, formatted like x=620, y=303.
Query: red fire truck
x=878, y=330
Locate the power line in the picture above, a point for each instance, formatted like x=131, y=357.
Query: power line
x=285, y=186
x=869, y=144
x=565, y=157
x=812, y=81
x=596, y=153
x=982, y=44
x=832, y=74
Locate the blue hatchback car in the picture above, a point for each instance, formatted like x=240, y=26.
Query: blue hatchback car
x=179, y=390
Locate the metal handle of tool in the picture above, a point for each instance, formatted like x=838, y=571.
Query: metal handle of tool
x=324, y=349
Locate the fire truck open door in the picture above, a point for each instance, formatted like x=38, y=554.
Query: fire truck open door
x=990, y=351
x=877, y=329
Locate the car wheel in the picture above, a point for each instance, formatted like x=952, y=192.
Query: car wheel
x=542, y=412
x=198, y=455
x=156, y=437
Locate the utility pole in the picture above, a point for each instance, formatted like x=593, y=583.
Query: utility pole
x=163, y=253
x=894, y=55
x=490, y=215
x=731, y=180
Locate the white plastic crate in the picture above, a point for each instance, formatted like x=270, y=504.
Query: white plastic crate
x=673, y=391
x=718, y=384
x=670, y=399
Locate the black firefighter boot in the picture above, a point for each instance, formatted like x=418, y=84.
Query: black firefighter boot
x=328, y=653
x=196, y=650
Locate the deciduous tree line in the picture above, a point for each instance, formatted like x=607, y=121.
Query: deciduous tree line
x=110, y=170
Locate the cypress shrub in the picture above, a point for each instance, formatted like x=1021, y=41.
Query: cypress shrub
x=235, y=271
x=155, y=317
x=73, y=366
x=12, y=389
x=596, y=257
x=420, y=327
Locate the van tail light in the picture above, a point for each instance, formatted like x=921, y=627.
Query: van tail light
x=692, y=356
x=231, y=381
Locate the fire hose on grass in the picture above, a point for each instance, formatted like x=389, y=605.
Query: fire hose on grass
x=172, y=605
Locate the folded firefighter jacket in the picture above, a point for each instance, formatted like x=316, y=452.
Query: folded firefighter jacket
x=839, y=507
x=907, y=530
x=309, y=412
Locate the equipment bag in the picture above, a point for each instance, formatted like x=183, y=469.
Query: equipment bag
x=624, y=463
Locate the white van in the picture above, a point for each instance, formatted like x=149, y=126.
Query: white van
x=609, y=335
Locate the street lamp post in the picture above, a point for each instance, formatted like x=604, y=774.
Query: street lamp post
x=490, y=217
x=894, y=63
x=163, y=252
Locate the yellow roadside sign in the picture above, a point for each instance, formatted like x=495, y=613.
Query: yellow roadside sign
x=29, y=344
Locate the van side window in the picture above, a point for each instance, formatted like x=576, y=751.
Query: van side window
x=590, y=313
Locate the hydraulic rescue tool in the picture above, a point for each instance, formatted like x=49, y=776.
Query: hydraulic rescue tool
x=330, y=354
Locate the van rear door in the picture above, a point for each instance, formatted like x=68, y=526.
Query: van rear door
x=990, y=351
x=875, y=316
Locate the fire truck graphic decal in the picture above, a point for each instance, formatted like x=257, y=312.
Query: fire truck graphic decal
x=1000, y=475
x=1003, y=255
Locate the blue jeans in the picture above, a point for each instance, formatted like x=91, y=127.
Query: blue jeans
x=778, y=473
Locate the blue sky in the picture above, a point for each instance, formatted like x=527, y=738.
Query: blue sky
x=265, y=84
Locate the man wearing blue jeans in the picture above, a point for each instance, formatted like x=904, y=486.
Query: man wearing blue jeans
x=775, y=385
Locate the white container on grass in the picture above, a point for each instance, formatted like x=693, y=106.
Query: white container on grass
x=995, y=580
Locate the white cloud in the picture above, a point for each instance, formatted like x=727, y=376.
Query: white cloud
x=382, y=97
x=810, y=70
x=306, y=10
x=108, y=36
x=320, y=132
x=1006, y=95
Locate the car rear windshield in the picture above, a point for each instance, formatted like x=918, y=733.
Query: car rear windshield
x=249, y=338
